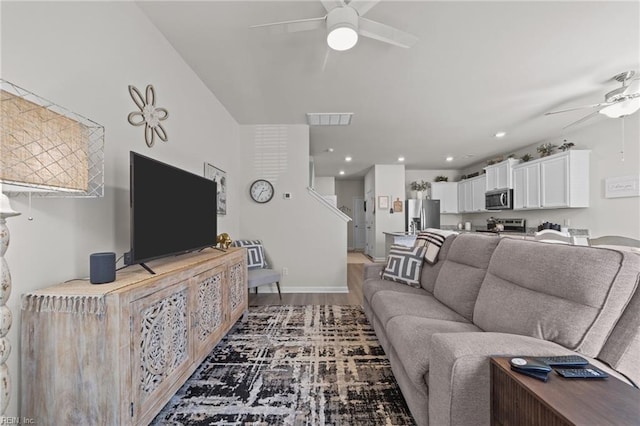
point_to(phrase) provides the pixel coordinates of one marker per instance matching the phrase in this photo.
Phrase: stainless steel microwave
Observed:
(499, 199)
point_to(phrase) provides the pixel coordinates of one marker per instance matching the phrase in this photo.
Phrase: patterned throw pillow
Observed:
(255, 253)
(432, 242)
(404, 265)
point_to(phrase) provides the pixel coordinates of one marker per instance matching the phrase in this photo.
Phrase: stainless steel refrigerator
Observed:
(421, 214)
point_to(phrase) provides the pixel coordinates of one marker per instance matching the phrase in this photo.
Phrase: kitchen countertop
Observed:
(574, 232)
(399, 234)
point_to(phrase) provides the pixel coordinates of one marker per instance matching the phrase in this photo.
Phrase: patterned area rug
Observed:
(293, 365)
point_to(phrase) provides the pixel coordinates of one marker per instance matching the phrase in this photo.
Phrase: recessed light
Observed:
(401, 159)
(348, 158)
(329, 149)
(449, 158)
(341, 172)
(500, 134)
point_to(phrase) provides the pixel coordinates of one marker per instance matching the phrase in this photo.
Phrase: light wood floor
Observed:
(354, 297)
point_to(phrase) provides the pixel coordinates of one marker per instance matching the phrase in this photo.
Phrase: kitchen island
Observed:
(401, 238)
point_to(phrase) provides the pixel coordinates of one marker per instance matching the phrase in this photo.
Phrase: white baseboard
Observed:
(289, 289)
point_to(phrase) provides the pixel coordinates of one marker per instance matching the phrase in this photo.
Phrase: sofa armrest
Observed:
(459, 372)
(373, 270)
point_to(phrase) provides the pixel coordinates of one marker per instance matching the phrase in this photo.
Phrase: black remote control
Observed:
(540, 375)
(564, 361)
(590, 372)
(530, 367)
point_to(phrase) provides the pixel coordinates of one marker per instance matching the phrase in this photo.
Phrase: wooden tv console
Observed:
(114, 354)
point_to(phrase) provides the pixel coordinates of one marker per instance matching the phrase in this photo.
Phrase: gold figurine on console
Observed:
(224, 241)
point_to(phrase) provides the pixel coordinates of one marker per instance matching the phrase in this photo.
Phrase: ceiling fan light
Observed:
(342, 28)
(621, 109)
(342, 38)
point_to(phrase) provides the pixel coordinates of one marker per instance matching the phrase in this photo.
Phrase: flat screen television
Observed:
(172, 211)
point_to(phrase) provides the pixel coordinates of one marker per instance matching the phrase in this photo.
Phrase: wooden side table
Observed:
(520, 400)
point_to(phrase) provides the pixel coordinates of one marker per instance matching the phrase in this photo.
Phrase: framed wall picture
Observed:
(397, 206)
(383, 201)
(623, 186)
(220, 177)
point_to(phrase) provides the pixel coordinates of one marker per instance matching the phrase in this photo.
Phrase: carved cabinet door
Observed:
(160, 346)
(237, 291)
(208, 314)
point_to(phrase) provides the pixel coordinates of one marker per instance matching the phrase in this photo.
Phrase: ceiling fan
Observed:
(344, 23)
(617, 103)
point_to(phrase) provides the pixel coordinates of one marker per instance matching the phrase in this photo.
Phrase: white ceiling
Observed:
(478, 67)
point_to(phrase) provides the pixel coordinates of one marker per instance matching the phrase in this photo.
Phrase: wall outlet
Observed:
(285, 271)
(287, 195)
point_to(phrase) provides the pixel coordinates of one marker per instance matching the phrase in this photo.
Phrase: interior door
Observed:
(359, 224)
(369, 224)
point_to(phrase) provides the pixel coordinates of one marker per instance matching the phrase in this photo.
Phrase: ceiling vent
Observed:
(329, 118)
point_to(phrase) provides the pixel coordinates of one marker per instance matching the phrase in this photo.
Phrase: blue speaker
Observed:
(102, 268)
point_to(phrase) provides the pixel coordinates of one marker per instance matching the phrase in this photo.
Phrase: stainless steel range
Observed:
(506, 225)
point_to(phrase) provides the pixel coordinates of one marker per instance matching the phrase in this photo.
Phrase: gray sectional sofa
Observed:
(499, 296)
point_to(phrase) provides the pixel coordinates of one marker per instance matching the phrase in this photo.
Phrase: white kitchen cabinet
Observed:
(557, 181)
(465, 198)
(471, 197)
(554, 182)
(478, 186)
(499, 176)
(447, 193)
(526, 187)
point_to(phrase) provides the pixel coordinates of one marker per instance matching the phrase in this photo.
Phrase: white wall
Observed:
(604, 216)
(83, 55)
(299, 234)
(325, 185)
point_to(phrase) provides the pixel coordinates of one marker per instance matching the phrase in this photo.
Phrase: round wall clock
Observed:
(261, 191)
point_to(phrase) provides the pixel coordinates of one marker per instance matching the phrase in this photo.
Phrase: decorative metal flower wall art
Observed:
(149, 115)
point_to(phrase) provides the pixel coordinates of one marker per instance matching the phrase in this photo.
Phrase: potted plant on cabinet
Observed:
(419, 187)
(546, 149)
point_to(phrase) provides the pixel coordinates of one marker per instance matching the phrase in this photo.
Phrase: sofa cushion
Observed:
(566, 294)
(404, 264)
(463, 271)
(430, 272)
(410, 337)
(622, 349)
(373, 285)
(389, 304)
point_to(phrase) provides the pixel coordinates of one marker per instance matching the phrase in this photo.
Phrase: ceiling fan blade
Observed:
(332, 4)
(363, 6)
(385, 33)
(604, 104)
(585, 118)
(296, 25)
(326, 58)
